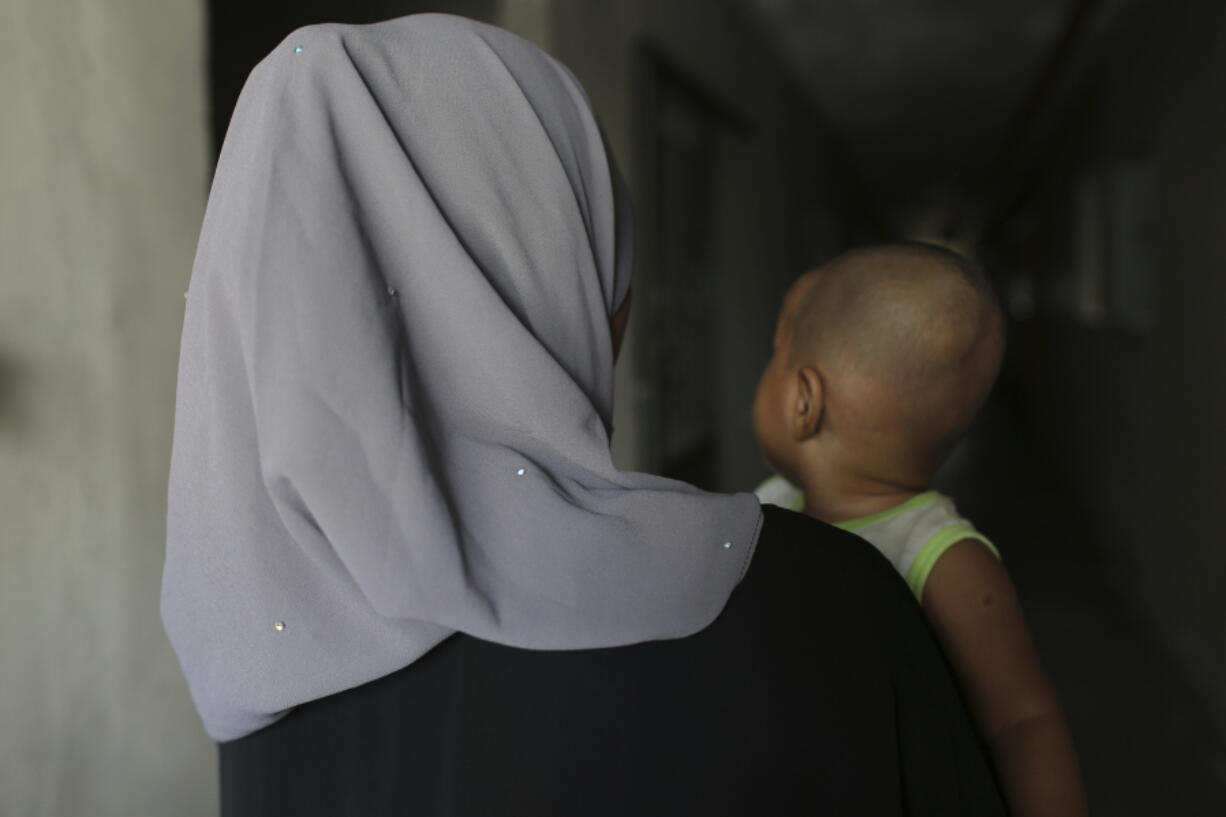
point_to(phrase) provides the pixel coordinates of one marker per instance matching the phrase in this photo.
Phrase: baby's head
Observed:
(882, 358)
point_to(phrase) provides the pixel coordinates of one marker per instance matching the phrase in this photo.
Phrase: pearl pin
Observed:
(298, 50)
(522, 471)
(278, 625)
(727, 545)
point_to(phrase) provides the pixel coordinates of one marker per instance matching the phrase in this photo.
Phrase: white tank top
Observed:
(912, 535)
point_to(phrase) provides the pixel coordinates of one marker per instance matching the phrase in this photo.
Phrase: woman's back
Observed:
(817, 690)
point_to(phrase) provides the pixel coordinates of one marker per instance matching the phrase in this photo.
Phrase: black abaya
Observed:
(818, 690)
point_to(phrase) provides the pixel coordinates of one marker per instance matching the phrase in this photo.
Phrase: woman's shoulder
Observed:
(812, 583)
(822, 563)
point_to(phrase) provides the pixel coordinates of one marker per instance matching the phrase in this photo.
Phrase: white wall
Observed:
(102, 188)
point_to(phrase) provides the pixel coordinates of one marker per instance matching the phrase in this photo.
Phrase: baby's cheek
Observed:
(765, 430)
(758, 411)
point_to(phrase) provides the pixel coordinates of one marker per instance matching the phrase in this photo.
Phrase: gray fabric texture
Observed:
(395, 381)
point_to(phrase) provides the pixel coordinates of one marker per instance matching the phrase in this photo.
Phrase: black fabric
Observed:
(818, 690)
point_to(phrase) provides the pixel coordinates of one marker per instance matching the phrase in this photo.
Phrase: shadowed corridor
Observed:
(1145, 745)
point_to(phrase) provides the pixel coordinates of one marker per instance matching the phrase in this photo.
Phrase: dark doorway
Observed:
(682, 134)
(242, 32)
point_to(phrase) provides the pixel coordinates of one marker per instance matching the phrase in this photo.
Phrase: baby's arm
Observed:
(975, 612)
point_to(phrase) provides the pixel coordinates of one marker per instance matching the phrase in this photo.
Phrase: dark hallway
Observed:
(1074, 149)
(1145, 743)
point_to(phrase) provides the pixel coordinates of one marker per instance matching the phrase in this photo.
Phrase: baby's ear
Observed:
(810, 403)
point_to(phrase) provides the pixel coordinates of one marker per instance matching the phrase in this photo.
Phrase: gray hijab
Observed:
(395, 383)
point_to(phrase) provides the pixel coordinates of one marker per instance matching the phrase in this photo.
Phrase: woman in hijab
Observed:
(398, 549)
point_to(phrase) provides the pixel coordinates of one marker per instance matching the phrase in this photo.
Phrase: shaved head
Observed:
(910, 340)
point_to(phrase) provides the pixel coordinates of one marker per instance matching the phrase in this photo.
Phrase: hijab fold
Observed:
(395, 381)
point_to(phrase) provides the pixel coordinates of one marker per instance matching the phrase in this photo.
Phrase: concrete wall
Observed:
(1132, 415)
(783, 201)
(102, 188)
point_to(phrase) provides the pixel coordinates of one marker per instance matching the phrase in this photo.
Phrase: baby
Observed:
(882, 357)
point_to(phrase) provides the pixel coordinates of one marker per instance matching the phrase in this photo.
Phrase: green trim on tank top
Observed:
(917, 501)
(935, 548)
(799, 504)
